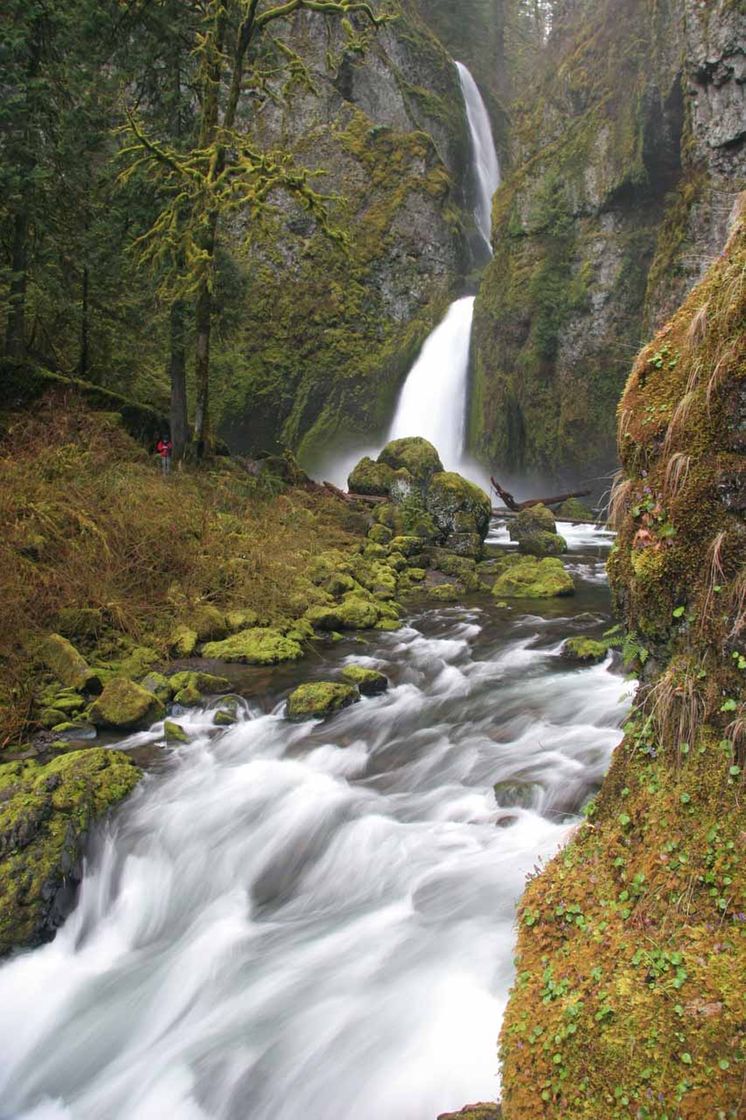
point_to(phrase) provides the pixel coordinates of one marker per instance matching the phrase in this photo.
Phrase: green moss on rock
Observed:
(369, 682)
(371, 478)
(45, 813)
(174, 732)
(415, 455)
(319, 699)
(183, 641)
(584, 651)
(460, 510)
(126, 706)
(205, 682)
(62, 658)
(534, 579)
(255, 646)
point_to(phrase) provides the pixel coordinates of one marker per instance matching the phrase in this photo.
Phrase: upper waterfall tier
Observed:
(486, 164)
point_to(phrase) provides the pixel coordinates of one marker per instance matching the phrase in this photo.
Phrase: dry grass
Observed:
(89, 522)
(619, 500)
(676, 474)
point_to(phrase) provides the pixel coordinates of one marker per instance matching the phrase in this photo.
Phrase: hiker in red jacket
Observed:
(165, 449)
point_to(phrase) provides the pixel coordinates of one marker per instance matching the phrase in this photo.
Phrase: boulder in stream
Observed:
(256, 646)
(369, 682)
(319, 699)
(126, 706)
(535, 530)
(584, 651)
(531, 578)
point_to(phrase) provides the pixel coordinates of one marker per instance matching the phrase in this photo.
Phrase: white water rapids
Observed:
(316, 920)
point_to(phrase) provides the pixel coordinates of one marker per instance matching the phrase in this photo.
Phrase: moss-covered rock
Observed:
(126, 706)
(407, 546)
(205, 682)
(45, 813)
(534, 579)
(189, 697)
(535, 519)
(371, 478)
(584, 651)
(446, 592)
(241, 619)
(159, 685)
(225, 717)
(174, 732)
(68, 666)
(183, 641)
(460, 510)
(482, 1111)
(415, 455)
(319, 699)
(380, 534)
(369, 682)
(575, 510)
(208, 623)
(542, 544)
(354, 613)
(255, 646)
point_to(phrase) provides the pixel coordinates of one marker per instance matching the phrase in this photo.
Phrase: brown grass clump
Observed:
(89, 522)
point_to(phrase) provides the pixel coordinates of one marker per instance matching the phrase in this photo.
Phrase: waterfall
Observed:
(486, 165)
(432, 402)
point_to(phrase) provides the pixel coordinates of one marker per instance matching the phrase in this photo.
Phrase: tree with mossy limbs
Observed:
(239, 61)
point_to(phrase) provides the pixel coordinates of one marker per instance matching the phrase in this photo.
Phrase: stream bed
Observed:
(317, 920)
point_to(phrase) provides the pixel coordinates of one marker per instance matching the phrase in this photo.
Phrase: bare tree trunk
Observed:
(177, 375)
(203, 324)
(15, 337)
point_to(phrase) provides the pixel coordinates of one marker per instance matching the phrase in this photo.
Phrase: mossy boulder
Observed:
(460, 511)
(407, 546)
(369, 682)
(446, 592)
(534, 579)
(45, 813)
(159, 685)
(380, 534)
(256, 646)
(205, 682)
(354, 613)
(415, 455)
(126, 706)
(174, 732)
(68, 666)
(371, 478)
(183, 641)
(543, 544)
(319, 699)
(208, 623)
(536, 519)
(584, 651)
(241, 619)
(575, 510)
(189, 697)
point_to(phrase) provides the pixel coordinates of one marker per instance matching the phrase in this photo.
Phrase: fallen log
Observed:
(347, 497)
(516, 507)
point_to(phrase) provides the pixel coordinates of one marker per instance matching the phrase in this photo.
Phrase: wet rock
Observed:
(461, 512)
(371, 478)
(159, 685)
(575, 510)
(126, 706)
(369, 682)
(446, 592)
(584, 651)
(205, 682)
(255, 647)
(45, 812)
(353, 613)
(62, 658)
(534, 579)
(535, 531)
(183, 641)
(174, 732)
(319, 699)
(415, 455)
(189, 697)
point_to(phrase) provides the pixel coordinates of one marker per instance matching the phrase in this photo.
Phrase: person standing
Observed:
(165, 449)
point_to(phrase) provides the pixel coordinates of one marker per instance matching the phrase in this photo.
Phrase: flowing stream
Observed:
(317, 919)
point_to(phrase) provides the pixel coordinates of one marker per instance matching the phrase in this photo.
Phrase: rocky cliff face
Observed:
(626, 162)
(330, 328)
